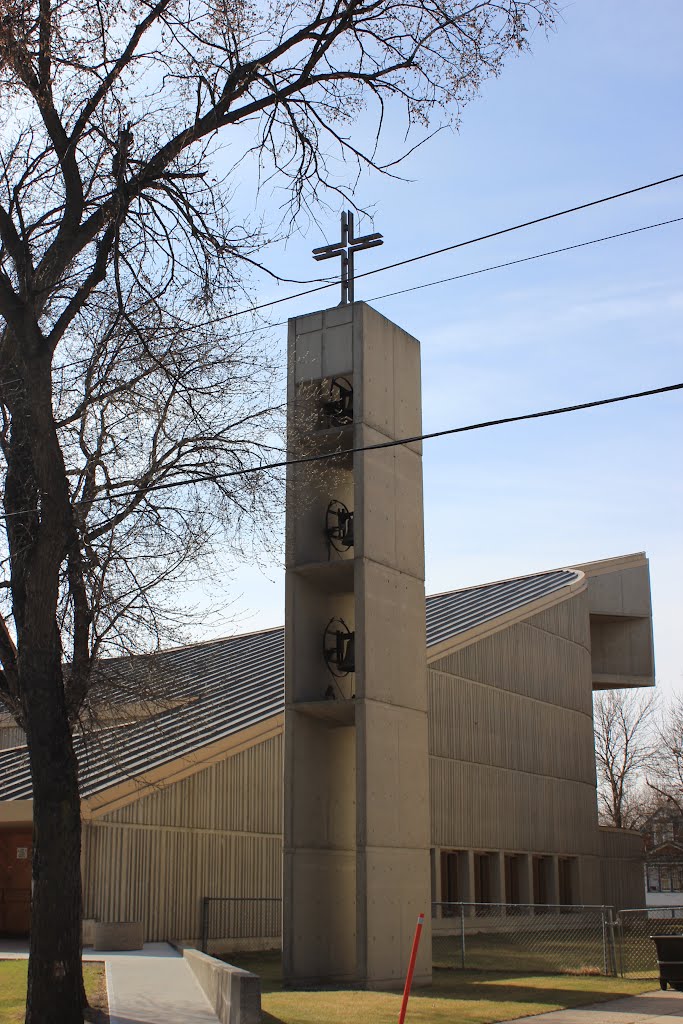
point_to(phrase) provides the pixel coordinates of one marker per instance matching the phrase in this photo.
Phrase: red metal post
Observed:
(411, 968)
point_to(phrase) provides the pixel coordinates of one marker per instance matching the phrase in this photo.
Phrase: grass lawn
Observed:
(13, 991)
(468, 997)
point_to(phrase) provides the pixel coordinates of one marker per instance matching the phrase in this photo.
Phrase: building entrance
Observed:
(15, 881)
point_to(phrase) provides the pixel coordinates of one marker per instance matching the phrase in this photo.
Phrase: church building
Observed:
(381, 752)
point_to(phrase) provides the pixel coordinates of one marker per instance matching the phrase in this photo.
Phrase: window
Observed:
(566, 867)
(450, 888)
(662, 833)
(482, 878)
(665, 878)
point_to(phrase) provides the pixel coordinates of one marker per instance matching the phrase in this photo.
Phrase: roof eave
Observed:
(507, 619)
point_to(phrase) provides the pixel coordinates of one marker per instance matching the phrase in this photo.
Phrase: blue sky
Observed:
(595, 109)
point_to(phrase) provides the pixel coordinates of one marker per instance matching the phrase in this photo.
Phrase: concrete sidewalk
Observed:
(153, 985)
(154, 989)
(649, 1008)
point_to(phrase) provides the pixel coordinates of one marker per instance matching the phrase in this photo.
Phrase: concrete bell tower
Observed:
(356, 830)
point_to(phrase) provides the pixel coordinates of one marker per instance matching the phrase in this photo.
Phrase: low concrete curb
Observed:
(234, 994)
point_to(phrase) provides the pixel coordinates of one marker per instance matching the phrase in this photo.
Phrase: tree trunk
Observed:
(55, 988)
(37, 500)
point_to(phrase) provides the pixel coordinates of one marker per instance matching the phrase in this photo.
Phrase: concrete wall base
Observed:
(234, 994)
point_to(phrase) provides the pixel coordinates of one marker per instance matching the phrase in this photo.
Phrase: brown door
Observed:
(15, 881)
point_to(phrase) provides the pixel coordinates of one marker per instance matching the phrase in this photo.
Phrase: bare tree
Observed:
(622, 722)
(665, 773)
(127, 393)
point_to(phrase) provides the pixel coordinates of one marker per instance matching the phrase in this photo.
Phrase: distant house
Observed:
(182, 792)
(664, 858)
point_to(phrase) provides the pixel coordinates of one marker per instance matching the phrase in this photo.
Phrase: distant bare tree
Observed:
(623, 722)
(665, 773)
(127, 394)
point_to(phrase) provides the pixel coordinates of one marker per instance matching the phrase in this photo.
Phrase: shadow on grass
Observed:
(511, 987)
(514, 987)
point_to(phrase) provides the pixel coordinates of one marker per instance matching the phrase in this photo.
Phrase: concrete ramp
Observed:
(154, 986)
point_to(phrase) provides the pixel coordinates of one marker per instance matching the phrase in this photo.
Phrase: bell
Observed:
(338, 408)
(345, 528)
(339, 649)
(346, 651)
(339, 526)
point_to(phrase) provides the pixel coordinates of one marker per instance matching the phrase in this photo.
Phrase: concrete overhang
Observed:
(620, 609)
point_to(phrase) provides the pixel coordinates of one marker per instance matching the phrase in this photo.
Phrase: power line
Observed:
(526, 224)
(437, 433)
(448, 248)
(326, 456)
(497, 266)
(523, 259)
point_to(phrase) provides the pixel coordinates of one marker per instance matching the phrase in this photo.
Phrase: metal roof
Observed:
(453, 613)
(215, 689)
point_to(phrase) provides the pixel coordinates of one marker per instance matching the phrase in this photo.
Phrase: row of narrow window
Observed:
(452, 888)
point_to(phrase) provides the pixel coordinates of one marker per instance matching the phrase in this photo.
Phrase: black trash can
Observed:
(669, 960)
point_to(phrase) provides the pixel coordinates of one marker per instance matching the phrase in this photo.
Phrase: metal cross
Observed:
(347, 248)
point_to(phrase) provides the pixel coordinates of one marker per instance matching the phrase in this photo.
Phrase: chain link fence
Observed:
(483, 936)
(523, 937)
(636, 952)
(230, 924)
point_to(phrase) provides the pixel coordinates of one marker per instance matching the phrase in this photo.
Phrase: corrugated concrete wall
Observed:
(511, 739)
(512, 758)
(217, 833)
(11, 736)
(511, 769)
(623, 877)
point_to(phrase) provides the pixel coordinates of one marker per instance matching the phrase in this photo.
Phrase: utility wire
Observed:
(497, 266)
(437, 433)
(325, 456)
(523, 259)
(449, 248)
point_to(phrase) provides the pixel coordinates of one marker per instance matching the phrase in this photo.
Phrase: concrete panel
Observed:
(310, 322)
(376, 502)
(320, 915)
(391, 388)
(337, 315)
(337, 351)
(308, 358)
(395, 777)
(376, 393)
(621, 592)
(408, 414)
(391, 653)
(324, 813)
(394, 901)
(389, 496)
(409, 512)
